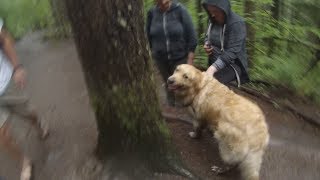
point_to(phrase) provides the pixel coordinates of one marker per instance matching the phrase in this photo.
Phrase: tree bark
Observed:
(114, 54)
(249, 13)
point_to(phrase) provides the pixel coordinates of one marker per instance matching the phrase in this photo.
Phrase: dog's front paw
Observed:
(193, 135)
(221, 170)
(217, 170)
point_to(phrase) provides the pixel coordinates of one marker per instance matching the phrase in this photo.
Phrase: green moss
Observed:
(133, 112)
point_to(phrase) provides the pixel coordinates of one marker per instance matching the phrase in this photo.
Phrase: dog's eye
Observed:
(185, 76)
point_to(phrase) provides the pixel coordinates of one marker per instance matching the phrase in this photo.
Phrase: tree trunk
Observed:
(200, 19)
(316, 40)
(315, 60)
(249, 13)
(114, 54)
(275, 11)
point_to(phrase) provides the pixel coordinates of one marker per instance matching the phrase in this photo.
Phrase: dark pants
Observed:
(227, 74)
(166, 69)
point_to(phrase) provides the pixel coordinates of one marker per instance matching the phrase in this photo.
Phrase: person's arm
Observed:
(9, 50)
(211, 70)
(236, 36)
(189, 34)
(235, 39)
(190, 58)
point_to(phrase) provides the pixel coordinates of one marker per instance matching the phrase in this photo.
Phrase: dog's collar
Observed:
(193, 109)
(189, 104)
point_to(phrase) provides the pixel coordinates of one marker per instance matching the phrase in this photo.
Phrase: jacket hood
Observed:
(174, 5)
(224, 5)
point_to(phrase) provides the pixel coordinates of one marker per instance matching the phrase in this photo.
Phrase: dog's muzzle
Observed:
(170, 80)
(172, 86)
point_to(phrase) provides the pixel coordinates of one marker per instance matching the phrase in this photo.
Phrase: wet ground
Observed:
(57, 88)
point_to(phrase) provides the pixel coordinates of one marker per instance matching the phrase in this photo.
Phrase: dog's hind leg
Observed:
(250, 166)
(228, 156)
(232, 150)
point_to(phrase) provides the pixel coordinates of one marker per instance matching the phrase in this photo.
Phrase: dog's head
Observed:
(185, 80)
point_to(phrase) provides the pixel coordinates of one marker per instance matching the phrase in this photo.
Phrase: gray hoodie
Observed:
(171, 34)
(229, 40)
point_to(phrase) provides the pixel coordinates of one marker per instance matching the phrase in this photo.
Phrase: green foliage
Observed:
(309, 85)
(22, 16)
(286, 47)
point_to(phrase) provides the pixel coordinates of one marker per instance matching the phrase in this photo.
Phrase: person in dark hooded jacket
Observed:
(172, 37)
(225, 43)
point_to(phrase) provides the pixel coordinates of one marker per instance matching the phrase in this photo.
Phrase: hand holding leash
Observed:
(211, 70)
(208, 48)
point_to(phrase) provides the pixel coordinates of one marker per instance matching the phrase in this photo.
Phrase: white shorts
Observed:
(12, 101)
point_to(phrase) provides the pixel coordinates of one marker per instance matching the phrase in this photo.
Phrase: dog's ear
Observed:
(198, 80)
(177, 68)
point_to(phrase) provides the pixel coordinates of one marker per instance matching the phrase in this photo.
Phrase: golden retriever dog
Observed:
(237, 123)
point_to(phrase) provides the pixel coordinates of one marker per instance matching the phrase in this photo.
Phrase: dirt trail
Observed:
(57, 88)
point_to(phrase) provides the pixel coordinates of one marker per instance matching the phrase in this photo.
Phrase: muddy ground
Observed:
(57, 88)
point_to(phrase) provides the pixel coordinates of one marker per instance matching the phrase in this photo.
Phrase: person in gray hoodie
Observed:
(172, 38)
(225, 43)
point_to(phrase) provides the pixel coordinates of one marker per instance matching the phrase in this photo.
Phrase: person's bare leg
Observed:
(15, 152)
(26, 170)
(35, 121)
(25, 110)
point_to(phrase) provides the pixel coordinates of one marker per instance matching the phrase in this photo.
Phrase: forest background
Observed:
(283, 37)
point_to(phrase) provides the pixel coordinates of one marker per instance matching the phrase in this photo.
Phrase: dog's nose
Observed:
(170, 80)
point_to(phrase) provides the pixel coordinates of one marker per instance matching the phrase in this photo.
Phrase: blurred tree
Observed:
(113, 50)
(200, 18)
(249, 14)
(309, 15)
(275, 11)
(61, 24)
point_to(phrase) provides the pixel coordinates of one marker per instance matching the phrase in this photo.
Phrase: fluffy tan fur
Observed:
(238, 124)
